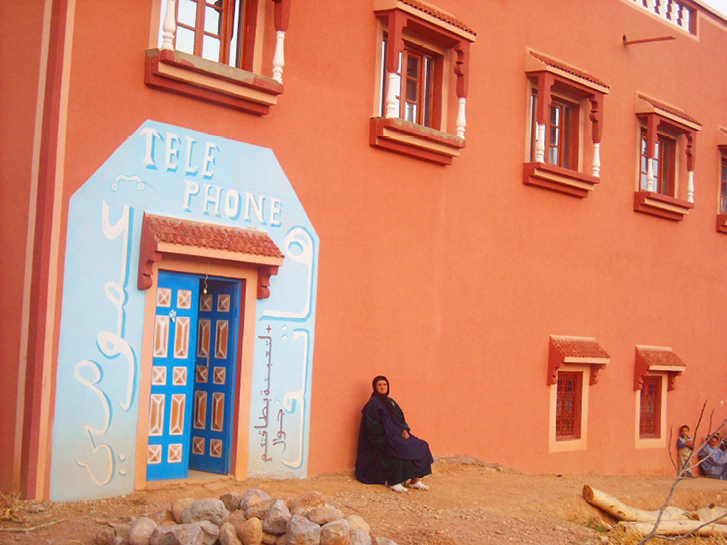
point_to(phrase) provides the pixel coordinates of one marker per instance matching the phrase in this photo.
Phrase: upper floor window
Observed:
(562, 101)
(421, 48)
(212, 50)
(561, 132)
(662, 166)
(414, 85)
(666, 183)
(217, 30)
(722, 203)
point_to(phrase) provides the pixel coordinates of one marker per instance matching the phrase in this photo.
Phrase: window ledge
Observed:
(562, 180)
(201, 78)
(661, 206)
(722, 223)
(414, 140)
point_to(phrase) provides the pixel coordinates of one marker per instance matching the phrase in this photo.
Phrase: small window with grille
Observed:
(650, 414)
(568, 406)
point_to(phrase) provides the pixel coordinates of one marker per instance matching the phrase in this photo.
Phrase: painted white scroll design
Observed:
(90, 430)
(290, 398)
(298, 246)
(111, 344)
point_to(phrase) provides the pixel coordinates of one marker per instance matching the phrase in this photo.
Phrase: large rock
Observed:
(180, 505)
(304, 503)
(140, 531)
(228, 535)
(210, 532)
(384, 541)
(231, 500)
(358, 523)
(359, 537)
(259, 508)
(104, 536)
(253, 496)
(250, 531)
(181, 534)
(336, 532)
(270, 539)
(301, 531)
(324, 514)
(209, 509)
(276, 519)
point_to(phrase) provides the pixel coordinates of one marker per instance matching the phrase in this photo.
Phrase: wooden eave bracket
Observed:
(151, 251)
(559, 179)
(407, 138)
(557, 358)
(662, 206)
(194, 76)
(642, 366)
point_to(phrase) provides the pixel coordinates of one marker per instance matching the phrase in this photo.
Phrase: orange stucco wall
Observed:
(449, 280)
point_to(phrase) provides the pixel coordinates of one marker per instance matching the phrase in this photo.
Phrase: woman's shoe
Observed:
(417, 485)
(397, 488)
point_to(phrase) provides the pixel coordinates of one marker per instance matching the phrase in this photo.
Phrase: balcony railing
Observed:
(673, 11)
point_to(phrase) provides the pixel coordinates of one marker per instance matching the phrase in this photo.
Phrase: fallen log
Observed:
(713, 513)
(676, 528)
(623, 512)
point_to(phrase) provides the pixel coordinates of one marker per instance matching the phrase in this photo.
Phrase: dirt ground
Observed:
(470, 503)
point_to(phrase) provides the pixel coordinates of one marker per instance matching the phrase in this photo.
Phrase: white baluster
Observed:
(597, 159)
(650, 175)
(690, 187)
(279, 57)
(461, 120)
(673, 11)
(169, 28)
(391, 109)
(540, 143)
(651, 5)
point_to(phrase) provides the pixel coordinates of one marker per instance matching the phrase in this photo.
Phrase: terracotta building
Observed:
(222, 219)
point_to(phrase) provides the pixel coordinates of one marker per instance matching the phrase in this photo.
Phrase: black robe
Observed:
(384, 456)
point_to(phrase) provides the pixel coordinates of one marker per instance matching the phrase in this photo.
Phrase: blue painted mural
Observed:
(172, 171)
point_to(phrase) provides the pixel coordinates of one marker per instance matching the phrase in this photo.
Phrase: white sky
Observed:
(719, 5)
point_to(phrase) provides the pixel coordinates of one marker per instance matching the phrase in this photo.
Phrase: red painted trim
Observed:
(33, 427)
(548, 176)
(655, 208)
(425, 136)
(282, 14)
(722, 223)
(154, 78)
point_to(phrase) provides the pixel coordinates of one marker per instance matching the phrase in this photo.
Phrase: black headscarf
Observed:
(388, 402)
(376, 393)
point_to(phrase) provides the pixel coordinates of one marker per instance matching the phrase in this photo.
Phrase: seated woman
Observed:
(387, 452)
(713, 460)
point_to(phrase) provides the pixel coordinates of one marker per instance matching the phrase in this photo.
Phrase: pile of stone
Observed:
(254, 518)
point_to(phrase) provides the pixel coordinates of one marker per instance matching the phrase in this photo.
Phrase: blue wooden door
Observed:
(214, 376)
(170, 408)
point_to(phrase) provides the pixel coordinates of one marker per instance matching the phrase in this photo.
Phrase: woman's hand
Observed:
(405, 434)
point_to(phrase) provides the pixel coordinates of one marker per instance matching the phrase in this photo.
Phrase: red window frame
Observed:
(650, 408)
(420, 92)
(561, 132)
(723, 186)
(568, 407)
(664, 164)
(236, 35)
